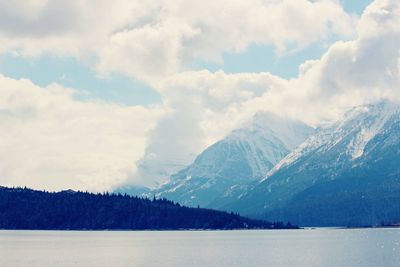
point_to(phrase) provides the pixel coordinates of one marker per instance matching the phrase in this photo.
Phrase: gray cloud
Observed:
(25, 19)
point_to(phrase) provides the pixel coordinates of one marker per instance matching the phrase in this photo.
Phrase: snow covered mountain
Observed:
(226, 168)
(347, 173)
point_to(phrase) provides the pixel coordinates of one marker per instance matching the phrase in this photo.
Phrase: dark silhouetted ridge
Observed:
(22, 208)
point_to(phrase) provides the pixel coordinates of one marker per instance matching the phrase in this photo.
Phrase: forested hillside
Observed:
(22, 208)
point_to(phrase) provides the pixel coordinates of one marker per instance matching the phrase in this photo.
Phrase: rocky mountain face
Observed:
(344, 174)
(229, 167)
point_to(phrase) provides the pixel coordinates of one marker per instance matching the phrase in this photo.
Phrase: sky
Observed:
(97, 96)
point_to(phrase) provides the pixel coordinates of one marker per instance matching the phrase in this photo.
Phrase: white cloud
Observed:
(205, 106)
(362, 70)
(180, 32)
(349, 73)
(150, 39)
(156, 41)
(49, 140)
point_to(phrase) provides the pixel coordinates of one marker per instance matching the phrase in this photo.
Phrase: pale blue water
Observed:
(317, 247)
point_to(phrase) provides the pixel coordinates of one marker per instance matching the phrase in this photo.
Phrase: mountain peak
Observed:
(242, 157)
(344, 174)
(290, 132)
(359, 125)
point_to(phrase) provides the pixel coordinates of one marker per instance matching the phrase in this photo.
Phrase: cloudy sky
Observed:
(93, 96)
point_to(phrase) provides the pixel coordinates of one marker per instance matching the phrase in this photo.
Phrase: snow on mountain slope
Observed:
(352, 134)
(347, 170)
(227, 167)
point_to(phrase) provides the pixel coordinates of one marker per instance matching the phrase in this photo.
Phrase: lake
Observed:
(307, 247)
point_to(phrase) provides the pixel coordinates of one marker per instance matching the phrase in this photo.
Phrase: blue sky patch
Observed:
(69, 72)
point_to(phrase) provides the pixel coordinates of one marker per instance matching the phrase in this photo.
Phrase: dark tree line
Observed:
(22, 208)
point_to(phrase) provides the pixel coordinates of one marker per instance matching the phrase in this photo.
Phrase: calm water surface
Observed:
(313, 247)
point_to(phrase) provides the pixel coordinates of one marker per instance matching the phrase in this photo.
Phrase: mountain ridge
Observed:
(365, 144)
(227, 167)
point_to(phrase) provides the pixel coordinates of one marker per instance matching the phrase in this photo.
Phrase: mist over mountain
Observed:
(228, 167)
(346, 173)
